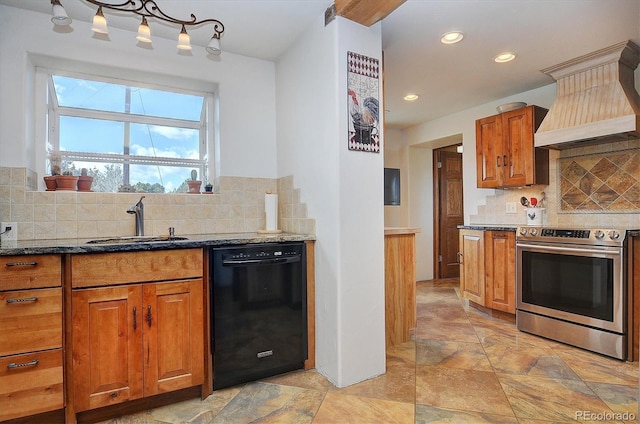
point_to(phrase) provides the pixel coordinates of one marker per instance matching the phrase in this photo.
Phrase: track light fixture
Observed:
(146, 9)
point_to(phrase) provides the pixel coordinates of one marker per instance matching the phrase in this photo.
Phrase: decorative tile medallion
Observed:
(603, 182)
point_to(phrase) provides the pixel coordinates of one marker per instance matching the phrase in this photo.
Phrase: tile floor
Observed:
(463, 367)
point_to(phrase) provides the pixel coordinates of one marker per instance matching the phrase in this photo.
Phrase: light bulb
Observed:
(144, 32)
(214, 45)
(60, 16)
(184, 42)
(99, 23)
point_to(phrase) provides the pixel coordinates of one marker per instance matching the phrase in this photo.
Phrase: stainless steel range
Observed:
(571, 287)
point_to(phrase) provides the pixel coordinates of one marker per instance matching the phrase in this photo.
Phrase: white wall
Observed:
(396, 157)
(347, 200)
(246, 87)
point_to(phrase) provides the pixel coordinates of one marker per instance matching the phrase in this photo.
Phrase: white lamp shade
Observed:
(144, 32)
(99, 23)
(214, 46)
(60, 16)
(184, 41)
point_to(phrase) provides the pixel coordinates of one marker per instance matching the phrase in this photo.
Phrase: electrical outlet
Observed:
(9, 235)
(512, 207)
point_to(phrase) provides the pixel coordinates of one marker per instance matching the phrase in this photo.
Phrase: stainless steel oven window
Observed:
(563, 281)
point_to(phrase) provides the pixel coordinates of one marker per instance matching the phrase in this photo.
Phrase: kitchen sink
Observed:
(136, 239)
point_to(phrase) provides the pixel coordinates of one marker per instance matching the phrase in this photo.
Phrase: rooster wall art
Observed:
(363, 92)
(364, 117)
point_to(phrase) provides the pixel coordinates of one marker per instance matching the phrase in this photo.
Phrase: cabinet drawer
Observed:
(30, 271)
(30, 320)
(91, 270)
(30, 384)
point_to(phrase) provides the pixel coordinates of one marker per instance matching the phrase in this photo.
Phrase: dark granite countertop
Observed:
(488, 227)
(59, 246)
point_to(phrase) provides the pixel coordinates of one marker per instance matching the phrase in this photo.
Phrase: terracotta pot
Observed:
(66, 182)
(50, 182)
(84, 183)
(194, 186)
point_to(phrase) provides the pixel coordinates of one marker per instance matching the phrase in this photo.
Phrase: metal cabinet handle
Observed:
(459, 255)
(504, 160)
(26, 299)
(21, 263)
(13, 365)
(498, 161)
(149, 315)
(135, 318)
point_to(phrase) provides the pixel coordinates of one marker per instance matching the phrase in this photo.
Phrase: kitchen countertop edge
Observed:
(488, 227)
(74, 246)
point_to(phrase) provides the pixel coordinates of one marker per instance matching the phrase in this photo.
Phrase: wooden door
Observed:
(472, 265)
(500, 268)
(450, 212)
(517, 128)
(173, 336)
(489, 155)
(107, 346)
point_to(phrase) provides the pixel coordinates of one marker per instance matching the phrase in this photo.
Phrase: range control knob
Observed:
(599, 234)
(523, 231)
(614, 235)
(534, 232)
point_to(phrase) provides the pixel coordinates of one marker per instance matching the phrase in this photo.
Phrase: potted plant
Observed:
(208, 188)
(84, 181)
(55, 162)
(194, 183)
(66, 181)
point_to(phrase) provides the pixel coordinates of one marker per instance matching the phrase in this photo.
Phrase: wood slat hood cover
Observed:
(596, 99)
(366, 12)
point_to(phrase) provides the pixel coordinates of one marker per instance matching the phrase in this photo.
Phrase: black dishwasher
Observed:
(259, 311)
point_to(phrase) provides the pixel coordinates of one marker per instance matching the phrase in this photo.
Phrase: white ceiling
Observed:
(448, 78)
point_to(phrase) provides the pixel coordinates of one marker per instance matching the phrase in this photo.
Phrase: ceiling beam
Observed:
(366, 12)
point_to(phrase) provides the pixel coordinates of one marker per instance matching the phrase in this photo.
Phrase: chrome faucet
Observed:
(138, 210)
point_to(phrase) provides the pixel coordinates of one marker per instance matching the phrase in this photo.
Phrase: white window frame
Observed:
(52, 113)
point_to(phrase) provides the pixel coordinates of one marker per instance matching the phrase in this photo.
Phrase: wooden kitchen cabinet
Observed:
(31, 356)
(471, 260)
(487, 268)
(132, 338)
(505, 154)
(400, 284)
(500, 271)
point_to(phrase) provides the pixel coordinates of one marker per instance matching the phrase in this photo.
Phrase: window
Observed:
(129, 136)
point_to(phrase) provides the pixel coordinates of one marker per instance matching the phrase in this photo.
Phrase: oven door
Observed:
(574, 283)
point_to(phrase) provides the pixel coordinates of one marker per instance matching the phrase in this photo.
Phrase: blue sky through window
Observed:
(173, 130)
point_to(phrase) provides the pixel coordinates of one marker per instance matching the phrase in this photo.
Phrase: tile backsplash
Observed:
(237, 207)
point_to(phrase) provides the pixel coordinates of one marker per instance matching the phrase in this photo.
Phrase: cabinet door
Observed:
(518, 158)
(472, 265)
(500, 270)
(489, 156)
(107, 346)
(173, 336)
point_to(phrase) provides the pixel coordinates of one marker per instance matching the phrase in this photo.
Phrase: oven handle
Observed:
(570, 249)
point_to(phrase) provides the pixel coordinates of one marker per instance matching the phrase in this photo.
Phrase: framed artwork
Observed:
(363, 94)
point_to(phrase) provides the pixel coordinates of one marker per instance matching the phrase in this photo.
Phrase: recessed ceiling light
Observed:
(504, 57)
(451, 37)
(411, 97)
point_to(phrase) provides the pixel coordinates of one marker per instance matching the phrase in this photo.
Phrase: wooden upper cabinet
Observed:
(505, 154)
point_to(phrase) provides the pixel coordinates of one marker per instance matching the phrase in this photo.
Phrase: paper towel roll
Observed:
(271, 211)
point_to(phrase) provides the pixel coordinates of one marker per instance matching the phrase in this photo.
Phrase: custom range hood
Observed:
(596, 99)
